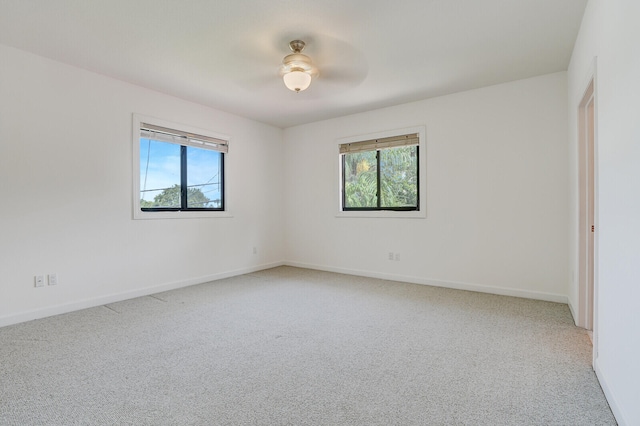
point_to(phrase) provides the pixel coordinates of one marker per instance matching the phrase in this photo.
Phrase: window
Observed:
(381, 174)
(178, 171)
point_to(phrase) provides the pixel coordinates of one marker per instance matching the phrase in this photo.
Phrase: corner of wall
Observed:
(611, 399)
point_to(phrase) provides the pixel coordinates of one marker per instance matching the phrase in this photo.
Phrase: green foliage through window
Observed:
(383, 179)
(170, 197)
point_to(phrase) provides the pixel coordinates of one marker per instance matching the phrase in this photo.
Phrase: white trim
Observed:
(608, 394)
(384, 214)
(596, 214)
(573, 313)
(135, 147)
(480, 288)
(590, 83)
(118, 297)
(422, 174)
(139, 214)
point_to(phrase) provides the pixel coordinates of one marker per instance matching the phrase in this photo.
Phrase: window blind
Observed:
(375, 144)
(163, 134)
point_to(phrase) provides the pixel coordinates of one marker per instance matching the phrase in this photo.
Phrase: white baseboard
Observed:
(615, 408)
(527, 294)
(117, 297)
(573, 312)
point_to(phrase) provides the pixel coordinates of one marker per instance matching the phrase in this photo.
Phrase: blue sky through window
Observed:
(160, 169)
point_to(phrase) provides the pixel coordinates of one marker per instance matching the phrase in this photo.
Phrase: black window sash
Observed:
(379, 201)
(184, 188)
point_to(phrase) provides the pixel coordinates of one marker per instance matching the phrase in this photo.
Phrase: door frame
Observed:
(588, 210)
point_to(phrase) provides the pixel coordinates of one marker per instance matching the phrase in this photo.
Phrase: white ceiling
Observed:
(371, 53)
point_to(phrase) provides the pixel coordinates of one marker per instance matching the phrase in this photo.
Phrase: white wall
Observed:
(66, 193)
(497, 197)
(496, 190)
(610, 32)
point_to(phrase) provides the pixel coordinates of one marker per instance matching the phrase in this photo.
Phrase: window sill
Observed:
(383, 214)
(139, 214)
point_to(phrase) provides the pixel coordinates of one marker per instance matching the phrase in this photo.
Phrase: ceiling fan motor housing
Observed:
(297, 68)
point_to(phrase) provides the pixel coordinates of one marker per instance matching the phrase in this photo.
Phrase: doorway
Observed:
(587, 211)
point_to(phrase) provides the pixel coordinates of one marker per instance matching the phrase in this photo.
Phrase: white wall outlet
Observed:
(53, 279)
(390, 255)
(39, 280)
(397, 257)
(255, 250)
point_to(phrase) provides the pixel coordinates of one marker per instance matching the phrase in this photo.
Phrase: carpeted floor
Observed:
(290, 346)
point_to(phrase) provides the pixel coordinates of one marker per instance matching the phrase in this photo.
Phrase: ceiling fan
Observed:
(297, 70)
(336, 65)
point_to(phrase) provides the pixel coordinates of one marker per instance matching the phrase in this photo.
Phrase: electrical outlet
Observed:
(390, 255)
(39, 280)
(53, 279)
(255, 250)
(397, 257)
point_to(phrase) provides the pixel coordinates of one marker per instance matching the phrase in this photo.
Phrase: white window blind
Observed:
(163, 134)
(375, 144)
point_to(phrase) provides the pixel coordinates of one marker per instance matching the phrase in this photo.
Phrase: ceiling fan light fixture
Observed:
(297, 69)
(297, 80)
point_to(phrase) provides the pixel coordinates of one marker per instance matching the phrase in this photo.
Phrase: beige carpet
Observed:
(290, 346)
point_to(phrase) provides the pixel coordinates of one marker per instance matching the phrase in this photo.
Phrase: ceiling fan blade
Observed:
(257, 81)
(256, 64)
(341, 75)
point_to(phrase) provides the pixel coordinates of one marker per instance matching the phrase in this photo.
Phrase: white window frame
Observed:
(135, 137)
(422, 175)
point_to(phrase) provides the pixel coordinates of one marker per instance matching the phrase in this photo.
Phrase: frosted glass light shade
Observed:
(297, 80)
